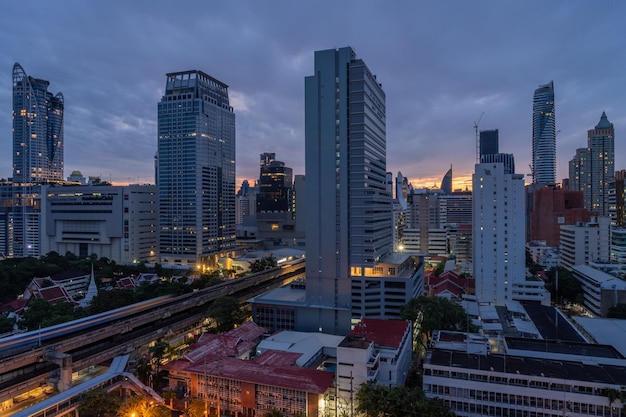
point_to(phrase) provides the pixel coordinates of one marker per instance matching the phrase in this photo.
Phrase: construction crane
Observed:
(477, 137)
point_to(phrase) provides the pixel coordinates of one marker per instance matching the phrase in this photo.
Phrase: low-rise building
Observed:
(116, 222)
(601, 290)
(532, 378)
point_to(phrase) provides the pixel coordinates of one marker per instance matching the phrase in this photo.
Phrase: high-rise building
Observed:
(37, 159)
(351, 269)
(499, 237)
(544, 136)
(620, 199)
(349, 208)
(37, 130)
(488, 142)
(275, 186)
(195, 170)
(592, 170)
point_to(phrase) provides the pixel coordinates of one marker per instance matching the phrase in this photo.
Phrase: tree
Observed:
(398, 401)
(134, 406)
(196, 408)
(98, 403)
(568, 286)
(262, 264)
(6, 324)
(226, 312)
(435, 313)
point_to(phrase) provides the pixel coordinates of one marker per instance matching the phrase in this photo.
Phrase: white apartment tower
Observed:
(499, 230)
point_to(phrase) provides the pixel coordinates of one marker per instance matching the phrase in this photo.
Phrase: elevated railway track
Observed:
(29, 358)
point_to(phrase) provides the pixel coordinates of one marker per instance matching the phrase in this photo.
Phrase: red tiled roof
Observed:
(292, 377)
(234, 343)
(13, 305)
(388, 333)
(54, 294)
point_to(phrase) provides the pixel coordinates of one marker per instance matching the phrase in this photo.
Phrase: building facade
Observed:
(544, 136)
(583, 243)
(534, 379)
(499, 237)
(195, 170)
(37, 159)
(592, 170)
(116, 222)
(349, 208)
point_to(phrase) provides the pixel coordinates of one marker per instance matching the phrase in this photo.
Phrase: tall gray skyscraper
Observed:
(195, 170)
(592, 170)
(349, 219)
(544, 135)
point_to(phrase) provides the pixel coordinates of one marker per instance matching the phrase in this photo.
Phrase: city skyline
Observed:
(439, 80)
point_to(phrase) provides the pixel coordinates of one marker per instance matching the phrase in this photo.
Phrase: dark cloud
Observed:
(442, 65)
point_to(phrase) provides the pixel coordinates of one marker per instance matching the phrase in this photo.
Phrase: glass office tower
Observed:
(544, 135)
(195, 169)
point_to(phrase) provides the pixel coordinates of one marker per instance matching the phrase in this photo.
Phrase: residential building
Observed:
(116, 222)
(37, 159)
(592, 170)
(620, 198)
(245, 201)
(195, 170)
(583, 243)
(544, 135)
(498, 237)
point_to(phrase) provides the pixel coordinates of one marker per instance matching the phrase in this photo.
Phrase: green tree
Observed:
(41, 313)
(97, 403)
(568, 286)
(262, 264)
(435, 313)
(134, 406)
(398, 401)
(226, 312)
(6, 323)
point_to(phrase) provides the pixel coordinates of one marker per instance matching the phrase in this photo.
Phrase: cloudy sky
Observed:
(443, 65)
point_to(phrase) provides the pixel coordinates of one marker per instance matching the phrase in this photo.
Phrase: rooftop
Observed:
(570, 370)
(387, 333)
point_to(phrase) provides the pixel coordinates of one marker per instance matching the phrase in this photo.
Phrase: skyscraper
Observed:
(195, 169)
(489, 142)
(592, 170)
(37, 130)
(544, 135)
(37, 159)
(351, 269)
(349, 208)
(498, 207)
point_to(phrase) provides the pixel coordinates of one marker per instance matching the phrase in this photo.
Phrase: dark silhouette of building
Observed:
(489, 142)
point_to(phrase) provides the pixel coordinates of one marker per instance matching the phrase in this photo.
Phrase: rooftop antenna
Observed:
(476, 122)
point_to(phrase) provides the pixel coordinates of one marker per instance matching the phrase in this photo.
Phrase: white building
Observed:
(375, 351)
(499, 236)
(601, 290)
(534, 378)
(583, 243)
(116, 222)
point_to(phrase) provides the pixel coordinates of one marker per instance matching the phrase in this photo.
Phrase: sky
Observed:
(445, 66)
